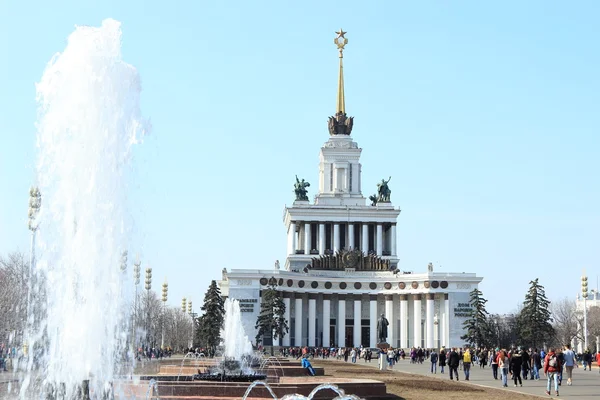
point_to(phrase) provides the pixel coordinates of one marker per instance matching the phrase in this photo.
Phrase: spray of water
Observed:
(89, 119)
(235, 340)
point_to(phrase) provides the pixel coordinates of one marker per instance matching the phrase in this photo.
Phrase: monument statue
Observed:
(430, 267)
(340, 124)
(383, 191)
(382, 330)
(300, 189)
(373, 199)
(277, 264)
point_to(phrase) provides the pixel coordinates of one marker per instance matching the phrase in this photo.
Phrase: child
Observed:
(306, 364)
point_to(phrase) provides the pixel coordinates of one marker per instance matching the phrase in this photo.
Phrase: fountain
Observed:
(77, 326)
(89, 119)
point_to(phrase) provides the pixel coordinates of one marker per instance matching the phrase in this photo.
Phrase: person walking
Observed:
(494, 362)
(536, 364)
(467, 363)
(433, 357)
(516, 362)
(569, 363)
(587, 360)
(442, 360)
(551, 369)
(453, 361)
(503, 365)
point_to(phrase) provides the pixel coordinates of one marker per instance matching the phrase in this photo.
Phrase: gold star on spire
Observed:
(341, 41)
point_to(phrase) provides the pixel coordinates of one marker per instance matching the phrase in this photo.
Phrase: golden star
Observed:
(341, 34)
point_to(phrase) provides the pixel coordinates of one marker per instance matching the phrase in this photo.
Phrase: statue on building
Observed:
(276, 264)
(373, 199)
(430, 267)
(224, 274)
(383, 191)
(340, 124)
(382, 330)
(300, 189)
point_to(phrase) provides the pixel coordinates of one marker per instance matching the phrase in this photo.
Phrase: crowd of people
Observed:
(516, 364)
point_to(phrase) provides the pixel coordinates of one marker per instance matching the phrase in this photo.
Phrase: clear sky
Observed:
(486, 115)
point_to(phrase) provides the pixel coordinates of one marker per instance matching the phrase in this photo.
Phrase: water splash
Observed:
(152, 392)
(89, 119)
(259, 383)
(235, 340)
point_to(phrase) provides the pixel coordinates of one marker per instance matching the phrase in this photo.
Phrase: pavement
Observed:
(586, 384)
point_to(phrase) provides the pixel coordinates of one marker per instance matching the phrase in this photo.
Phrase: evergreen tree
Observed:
(477, 325)
(534, 320)
(211, 322)
(271, 319)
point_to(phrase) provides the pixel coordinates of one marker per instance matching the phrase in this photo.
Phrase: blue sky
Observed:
(484, 114)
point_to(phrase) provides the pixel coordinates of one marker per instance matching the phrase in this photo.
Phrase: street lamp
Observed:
(123, 265)
(165, 295)
(192, 316)
(35, 203)
(136, 281)
(148, 286)
(584, 294)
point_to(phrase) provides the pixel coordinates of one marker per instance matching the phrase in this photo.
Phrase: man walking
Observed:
(453, 360)
(551, 369)
(467, 363)
(433, 357)
(570, 362)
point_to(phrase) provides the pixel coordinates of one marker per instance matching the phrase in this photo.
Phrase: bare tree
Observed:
(14, 275)
(564, 314)
(593, 321)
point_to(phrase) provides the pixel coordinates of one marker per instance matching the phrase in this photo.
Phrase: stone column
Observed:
(365, 238)
(389, 314)
(447, 321)
(394, 249)
(341, 320)
(417, 320)
(373, 320)
(357, 321)
(321, 239)
(350, 244)
(326, 324)
(286, 315)
(299, 316)
(379, 239)
(336, 237)
(307, 237)
(294, 238)
(404, 321)
(429, 320)
(312, 319)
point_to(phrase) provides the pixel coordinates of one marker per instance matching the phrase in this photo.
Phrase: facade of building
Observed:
(341, 271)
(593, 341)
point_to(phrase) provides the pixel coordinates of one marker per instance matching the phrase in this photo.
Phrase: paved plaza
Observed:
(586, 384)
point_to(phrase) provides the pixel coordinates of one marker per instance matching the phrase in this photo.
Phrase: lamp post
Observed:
(148, 286)
(192, 316)
(584, 294)
(165, 295)
(35, 203)
(136, 281)
(184, 307)
(436, 322)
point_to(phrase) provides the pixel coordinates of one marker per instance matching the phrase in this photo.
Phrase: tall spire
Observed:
(340, 124)
(340, 41)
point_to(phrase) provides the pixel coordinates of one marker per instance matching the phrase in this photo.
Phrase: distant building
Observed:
(341, 271)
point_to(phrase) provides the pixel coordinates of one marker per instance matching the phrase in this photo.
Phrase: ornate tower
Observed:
(340, 220)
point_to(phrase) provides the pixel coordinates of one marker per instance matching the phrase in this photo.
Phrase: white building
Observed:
(341, 270)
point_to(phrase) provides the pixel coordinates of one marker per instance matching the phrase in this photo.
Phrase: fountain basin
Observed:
(195, 390)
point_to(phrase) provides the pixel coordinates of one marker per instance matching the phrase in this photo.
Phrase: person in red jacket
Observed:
(551, 368)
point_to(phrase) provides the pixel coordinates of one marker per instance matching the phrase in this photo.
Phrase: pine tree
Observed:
(477, 325)
(211, 322)
(271, 319)
(534, 320)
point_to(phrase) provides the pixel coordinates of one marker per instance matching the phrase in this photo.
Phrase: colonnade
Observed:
(435, 325)
(296, 229)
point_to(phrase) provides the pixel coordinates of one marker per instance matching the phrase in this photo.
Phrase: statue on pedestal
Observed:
(382, 330)
(384, 191)
(300, 189)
